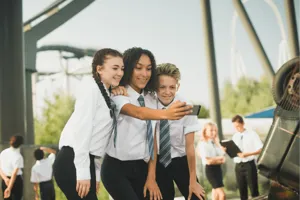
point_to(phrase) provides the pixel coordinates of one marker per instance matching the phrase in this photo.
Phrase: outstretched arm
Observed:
(176, 111)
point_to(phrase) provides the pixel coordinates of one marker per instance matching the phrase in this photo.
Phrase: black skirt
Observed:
(214, 175)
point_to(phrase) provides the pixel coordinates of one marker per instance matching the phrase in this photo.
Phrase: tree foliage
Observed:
(204, 112)
(248, 96)
(55, 115)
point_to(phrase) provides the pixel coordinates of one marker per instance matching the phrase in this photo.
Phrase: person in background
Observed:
(245, 169)
(212, 156)
(41, 174)
(11, 164)
(176, 152)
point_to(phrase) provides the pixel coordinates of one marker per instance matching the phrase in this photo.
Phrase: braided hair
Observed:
(99, 59)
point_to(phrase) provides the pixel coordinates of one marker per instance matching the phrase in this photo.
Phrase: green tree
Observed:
(54, 117)
(204, 112)
(247, 96)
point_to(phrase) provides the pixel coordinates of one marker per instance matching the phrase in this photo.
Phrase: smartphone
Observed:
(196, 110)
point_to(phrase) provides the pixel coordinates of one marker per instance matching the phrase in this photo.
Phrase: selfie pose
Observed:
(176, 153)
(128, 169)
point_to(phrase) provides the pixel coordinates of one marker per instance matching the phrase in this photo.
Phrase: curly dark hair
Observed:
(99, 59)
(130, 58)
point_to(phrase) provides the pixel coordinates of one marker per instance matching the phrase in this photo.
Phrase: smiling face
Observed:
(167, 88)
(111, 71)
(141, 74)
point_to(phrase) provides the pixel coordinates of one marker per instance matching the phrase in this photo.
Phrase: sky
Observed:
(171, 29)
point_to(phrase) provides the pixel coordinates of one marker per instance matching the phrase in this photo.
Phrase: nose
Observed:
(145, 72)
(120, 72)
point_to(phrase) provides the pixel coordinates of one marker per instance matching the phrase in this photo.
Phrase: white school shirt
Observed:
(41, 171)
(131, 143)
(10, 159)
(247, 141)
(208, 150)
(178, 130)
(88, 129)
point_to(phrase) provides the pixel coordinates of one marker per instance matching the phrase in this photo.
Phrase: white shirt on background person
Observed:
(10, 159)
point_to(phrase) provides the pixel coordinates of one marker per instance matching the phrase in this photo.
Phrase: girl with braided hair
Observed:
(85, 135)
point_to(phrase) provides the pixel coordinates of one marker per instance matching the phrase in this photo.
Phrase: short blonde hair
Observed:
(203, 132)
(168, 69)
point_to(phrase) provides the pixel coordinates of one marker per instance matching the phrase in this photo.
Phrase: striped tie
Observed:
(149, 130)
(164, 143)
(115, 123)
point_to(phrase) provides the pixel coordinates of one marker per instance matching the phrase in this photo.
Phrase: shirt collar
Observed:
(132, 93)
(40, 161)
(15, 149)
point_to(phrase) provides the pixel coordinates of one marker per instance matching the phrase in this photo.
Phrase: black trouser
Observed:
(47, 190)
(65, 174)
(177, 171)
(17, 189)
(246, 173)
(124, 180)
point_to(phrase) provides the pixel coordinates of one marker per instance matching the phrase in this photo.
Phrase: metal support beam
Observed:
(215, 111)
(12, 85)
(292, 28)
(56, 16)
(254, 38)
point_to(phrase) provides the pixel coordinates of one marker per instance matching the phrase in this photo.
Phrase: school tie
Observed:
(149, 129)
(115, 123)
(241, 144)
(164, 143)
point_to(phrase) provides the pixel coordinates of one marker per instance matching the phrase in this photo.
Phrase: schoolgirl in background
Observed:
(212, 155)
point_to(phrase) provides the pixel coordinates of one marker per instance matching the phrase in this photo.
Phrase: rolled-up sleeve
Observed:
(84, 112)
(191, 124)
(120, 101)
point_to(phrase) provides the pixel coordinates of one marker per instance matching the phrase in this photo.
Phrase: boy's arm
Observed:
(194, 187)
(48, 150)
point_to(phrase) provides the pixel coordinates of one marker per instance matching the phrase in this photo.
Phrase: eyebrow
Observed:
(150, 65)
(118, 66)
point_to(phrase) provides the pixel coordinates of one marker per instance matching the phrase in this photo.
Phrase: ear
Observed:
(178, 85)
(99, 69)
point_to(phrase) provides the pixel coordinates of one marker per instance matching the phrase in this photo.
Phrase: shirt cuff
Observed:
(192, 128)
(98, 175)
(83, 174)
